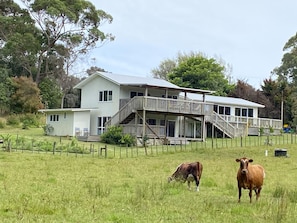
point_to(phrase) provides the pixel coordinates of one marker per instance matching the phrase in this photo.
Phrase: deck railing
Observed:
(254, 122)
(176, 106)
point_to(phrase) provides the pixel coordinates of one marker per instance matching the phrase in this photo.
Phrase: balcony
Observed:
(161, 105)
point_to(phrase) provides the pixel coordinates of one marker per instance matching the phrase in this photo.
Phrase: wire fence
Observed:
(99, 150)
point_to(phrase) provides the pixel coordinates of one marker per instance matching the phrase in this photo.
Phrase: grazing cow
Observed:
(188, 172)
(249, 177)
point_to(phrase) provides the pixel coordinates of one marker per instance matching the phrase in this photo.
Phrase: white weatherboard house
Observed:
(154, 108)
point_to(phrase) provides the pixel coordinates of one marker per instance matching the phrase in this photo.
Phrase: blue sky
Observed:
(248, 35)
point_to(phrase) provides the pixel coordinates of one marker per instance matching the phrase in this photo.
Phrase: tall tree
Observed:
(26, 96)
(70, 28)
(196, 70)
(287, 78)
(201, 73)
(5, 90)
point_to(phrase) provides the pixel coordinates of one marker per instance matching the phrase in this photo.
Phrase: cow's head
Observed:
(244, 163)
(170, 179)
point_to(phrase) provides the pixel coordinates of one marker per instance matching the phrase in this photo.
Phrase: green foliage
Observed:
(26, 96)
(195, 70)
(5, 90)
(2, 124)
(261, 131)
(128, 139)
(48, 129)
(200, 73)
(113, 135)
(13, 120)
(30, 120)
(51, 93)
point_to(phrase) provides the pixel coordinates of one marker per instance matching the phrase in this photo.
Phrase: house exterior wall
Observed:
(90, 96)
(81, 123)
(62, 126)
(68, 123)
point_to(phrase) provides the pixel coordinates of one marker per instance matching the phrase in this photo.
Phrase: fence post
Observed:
(240, 141)
(54, 148)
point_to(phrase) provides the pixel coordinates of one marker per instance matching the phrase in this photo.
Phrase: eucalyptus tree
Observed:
(69, 28)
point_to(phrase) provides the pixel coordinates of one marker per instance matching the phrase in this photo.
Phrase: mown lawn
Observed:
(42, 187)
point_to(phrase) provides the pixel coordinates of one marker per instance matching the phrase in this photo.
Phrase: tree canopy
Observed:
(194, 70)
(43, 39)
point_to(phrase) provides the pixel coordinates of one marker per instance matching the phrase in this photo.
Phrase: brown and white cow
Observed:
(250, 177)
(188, 172)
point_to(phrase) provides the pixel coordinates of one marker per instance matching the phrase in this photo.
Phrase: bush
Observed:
(128, 139)
(30, 120)
(48, 129)
(114, 135)
(2, 124)
(13, 120)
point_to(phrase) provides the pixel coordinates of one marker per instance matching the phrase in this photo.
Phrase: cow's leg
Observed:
(189, 184)
(197, 182)
(258, 192)
(251, 194)
(239, 194)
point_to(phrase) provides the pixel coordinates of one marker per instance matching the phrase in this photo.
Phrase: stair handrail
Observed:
(226, 127)
(125, 111)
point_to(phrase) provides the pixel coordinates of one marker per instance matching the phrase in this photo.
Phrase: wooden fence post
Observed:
(54, 148)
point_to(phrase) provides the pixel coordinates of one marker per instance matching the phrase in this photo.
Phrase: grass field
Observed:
(42, 187)
(125, 187)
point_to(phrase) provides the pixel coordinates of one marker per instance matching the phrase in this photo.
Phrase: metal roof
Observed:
(137, 81)
(224, 100)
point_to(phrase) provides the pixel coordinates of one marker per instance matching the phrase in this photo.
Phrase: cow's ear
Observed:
(251, 160)
(237, 160)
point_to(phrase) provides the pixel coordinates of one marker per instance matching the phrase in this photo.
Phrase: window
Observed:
(244, 112)
(227, 110)
(101, 124)
(251, 112)
(215, 108)
(151, 121)
(134, 93)
(105, 95)
(237, 111)
(221, 110)
(54, 118)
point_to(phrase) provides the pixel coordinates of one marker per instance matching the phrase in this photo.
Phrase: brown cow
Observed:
(249, 177)
(188, 172)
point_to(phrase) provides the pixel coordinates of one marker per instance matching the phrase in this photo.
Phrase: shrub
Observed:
(13, 120)
(128, 139)
(113, 135)
(2, 124)
(48, 129)
(30, 120)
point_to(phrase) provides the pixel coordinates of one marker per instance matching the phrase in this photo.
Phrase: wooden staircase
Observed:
(223, 125)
